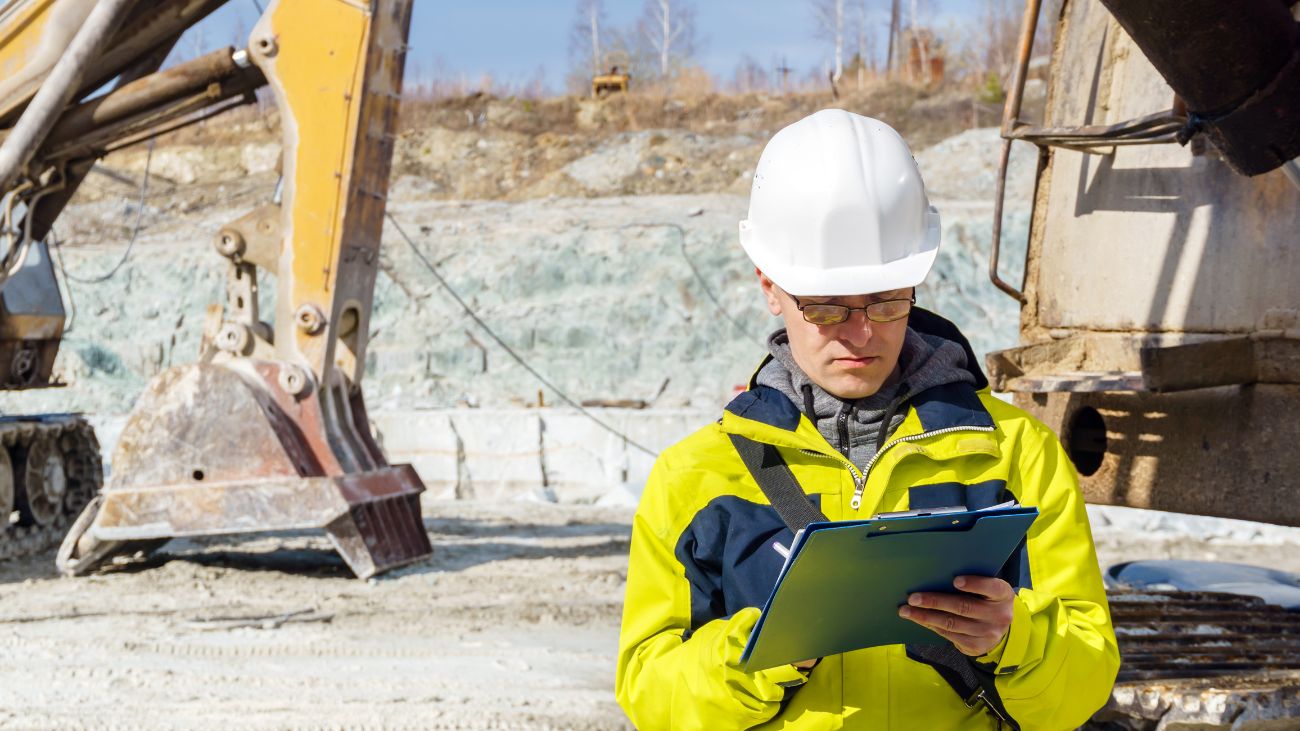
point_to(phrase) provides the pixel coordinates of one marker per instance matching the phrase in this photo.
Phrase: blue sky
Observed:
(512, 39)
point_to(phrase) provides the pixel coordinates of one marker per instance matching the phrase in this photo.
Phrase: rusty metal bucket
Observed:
(215, 449)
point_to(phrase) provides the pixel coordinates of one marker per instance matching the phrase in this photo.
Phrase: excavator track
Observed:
(49, 470)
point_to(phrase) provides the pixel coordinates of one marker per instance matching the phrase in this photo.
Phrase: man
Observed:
(875, 406)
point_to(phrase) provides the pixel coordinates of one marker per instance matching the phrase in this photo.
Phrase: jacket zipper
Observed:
(859, 478)
(842, 422)
(856, 502)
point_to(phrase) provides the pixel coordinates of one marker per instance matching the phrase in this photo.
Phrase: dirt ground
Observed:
(512, 624)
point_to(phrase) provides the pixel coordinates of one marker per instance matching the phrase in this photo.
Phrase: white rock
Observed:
(257, 159)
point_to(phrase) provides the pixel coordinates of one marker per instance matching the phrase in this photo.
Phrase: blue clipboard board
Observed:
(843, 583)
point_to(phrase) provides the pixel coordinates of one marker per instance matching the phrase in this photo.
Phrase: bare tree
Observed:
(535, 88)
(863, 51)
(996, 44)
(890, 55)
(750, 75)
(829, 17)
(918, 42)
(668, 26)
(587, 36)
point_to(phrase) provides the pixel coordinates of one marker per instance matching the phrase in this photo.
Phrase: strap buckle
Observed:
(978, 697)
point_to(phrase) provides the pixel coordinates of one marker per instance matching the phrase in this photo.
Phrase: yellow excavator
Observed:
(267, 431)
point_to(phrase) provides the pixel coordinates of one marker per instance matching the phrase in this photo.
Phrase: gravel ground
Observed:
(512, 623)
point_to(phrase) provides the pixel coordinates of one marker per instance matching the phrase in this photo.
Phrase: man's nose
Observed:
(857, 329)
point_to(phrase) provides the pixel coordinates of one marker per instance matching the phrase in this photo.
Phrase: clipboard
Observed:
(843, 582)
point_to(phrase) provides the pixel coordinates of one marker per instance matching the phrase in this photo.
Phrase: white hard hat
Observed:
(838, 208)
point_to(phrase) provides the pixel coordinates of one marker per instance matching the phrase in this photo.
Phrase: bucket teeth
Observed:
(380, 535)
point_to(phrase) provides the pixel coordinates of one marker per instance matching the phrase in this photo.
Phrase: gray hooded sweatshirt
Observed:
(858, 427)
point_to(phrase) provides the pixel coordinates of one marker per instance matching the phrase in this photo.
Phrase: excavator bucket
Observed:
(221, 449)
(268, 432)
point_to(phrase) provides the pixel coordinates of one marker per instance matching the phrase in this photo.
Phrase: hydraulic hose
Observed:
(59, 87)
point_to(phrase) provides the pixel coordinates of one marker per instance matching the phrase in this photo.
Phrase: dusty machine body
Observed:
(610, 83)
(1160, 320)
(268, 429)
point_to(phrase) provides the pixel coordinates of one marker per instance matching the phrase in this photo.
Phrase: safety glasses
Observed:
(829, 314)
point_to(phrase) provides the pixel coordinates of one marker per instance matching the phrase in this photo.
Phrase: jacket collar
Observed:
(951, 406)
(942, 407)
(955, 405)
(765, 414)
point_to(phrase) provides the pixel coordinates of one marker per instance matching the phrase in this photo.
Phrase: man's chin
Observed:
(849, 388)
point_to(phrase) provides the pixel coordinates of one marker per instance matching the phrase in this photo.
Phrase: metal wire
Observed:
(506, 347)
(15, 242)
(704, 283)
(135, 231)
(15, 256)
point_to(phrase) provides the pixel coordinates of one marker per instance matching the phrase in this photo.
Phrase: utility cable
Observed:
(708, 290)
(135, 231)
(518, 359)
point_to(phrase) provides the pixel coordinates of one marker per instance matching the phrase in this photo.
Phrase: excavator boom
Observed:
(267, 430)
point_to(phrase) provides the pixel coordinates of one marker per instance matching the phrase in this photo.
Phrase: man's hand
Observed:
(975, 621)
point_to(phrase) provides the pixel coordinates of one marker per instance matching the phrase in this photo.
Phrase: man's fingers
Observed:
(968, 636)
(965, 605)
(974, 620)
(986, 586)
(946, 621)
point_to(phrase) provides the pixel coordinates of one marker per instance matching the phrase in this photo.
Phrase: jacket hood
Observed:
(935, 331)
(937, 377)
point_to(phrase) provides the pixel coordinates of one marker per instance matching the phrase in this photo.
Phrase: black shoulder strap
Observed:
(971, 682)
(777, 482)
(789, 500)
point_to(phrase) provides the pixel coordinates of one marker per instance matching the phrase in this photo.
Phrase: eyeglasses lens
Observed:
(825, 314)
(887, 311)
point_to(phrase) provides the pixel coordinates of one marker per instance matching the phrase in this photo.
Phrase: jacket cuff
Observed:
(1010, 652)
(786, 676)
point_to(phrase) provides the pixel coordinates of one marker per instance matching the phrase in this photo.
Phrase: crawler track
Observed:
(49, 471)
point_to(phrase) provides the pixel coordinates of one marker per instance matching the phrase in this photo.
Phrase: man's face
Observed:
(851, 359)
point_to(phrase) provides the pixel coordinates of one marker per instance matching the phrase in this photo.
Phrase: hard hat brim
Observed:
(806, 281)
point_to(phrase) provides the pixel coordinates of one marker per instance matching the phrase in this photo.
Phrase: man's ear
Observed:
(769, 292)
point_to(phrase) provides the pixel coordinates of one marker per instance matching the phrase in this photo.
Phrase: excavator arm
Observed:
(267, 430)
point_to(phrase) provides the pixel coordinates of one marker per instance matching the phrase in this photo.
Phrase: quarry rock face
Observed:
(615, 299)
(619, 298)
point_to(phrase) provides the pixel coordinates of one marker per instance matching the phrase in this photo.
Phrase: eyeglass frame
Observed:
(850, 310)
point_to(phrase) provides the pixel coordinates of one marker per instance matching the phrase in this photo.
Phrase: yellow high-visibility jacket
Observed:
(701, 562)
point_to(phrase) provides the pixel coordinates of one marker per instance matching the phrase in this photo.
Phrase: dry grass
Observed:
(923, 116)
(480, 146)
